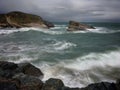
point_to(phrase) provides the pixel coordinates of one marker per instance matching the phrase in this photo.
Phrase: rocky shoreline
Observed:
(25, 76)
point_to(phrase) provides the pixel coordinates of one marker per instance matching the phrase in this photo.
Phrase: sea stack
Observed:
(19, 20)
(76, 26)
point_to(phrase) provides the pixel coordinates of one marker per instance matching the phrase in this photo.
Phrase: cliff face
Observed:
(20, 19)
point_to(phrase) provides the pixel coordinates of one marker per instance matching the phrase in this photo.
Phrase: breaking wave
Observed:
(58, 30)
(81, 71)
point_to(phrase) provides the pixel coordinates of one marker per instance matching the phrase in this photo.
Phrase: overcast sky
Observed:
(65, 10)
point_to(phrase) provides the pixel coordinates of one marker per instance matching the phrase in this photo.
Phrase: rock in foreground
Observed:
(25, 76)
(76, 26)
(19, 19)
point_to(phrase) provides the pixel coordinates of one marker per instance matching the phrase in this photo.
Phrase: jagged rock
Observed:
(53, 84)
(75, 26)
(29, 69)
(28, 82)
(20, 19)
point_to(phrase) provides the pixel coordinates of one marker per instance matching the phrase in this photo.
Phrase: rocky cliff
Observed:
(20, 19)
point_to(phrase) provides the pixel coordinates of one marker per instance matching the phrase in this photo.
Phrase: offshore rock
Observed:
(19, 19)
(76, 26)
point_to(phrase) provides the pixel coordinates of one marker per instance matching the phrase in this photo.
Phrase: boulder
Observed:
(29, 69)
(7, 69)
(53, 84)
(8, 65)
(100, 86)
(75, 26)
(19, 19)
(6, 84)
(28, 82)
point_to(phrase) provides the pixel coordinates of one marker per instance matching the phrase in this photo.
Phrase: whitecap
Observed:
(81, 71)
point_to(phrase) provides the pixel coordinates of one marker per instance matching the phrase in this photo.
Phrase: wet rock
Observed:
(100, 86)
(7, 69)
(53, 84)
(28, 82)
(6, 84)
(67, 88)
(118, 84)
(8, 65)
(76, 26)
(29, 69)
(49, 24)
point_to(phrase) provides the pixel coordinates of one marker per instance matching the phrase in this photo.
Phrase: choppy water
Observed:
(78, 58)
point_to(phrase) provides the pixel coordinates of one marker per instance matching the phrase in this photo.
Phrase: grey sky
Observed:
(65, 10)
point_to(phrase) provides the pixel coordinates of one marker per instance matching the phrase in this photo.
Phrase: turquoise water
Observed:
(78, 58)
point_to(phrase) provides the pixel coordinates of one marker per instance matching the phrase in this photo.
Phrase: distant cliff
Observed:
(20, 19)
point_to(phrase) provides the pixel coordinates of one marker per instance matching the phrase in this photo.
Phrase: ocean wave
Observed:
(58, 30)
(81, 71)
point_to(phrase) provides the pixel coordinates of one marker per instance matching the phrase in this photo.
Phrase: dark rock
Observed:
(67, 88)
(19, 19)
(29, 69)
(28, 82)
(7, 69)
(53, 84)
(6, 84)
(49, 24)
(75, 26)
(100, 86)
(8, 65)
(118, 84)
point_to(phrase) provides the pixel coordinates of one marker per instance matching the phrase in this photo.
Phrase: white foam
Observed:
(81, 71)
(58, 30)
(103, 30)
(63, 45)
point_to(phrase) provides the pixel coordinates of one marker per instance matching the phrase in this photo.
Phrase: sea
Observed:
(78, 58)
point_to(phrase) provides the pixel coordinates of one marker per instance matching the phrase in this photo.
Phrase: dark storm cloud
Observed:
(65, 10)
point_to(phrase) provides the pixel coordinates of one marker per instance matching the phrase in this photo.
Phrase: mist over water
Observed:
(78, 58)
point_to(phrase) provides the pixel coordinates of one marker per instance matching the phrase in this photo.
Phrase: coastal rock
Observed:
(28, 82)
(19, 19)
(101, 86)
(7, 69)
(29, 69)
(25, 76)
(53, 84)
(8, 65)
(6, 84)
(75, 26)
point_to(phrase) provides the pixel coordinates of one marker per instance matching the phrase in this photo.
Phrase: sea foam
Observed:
(81, 71)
